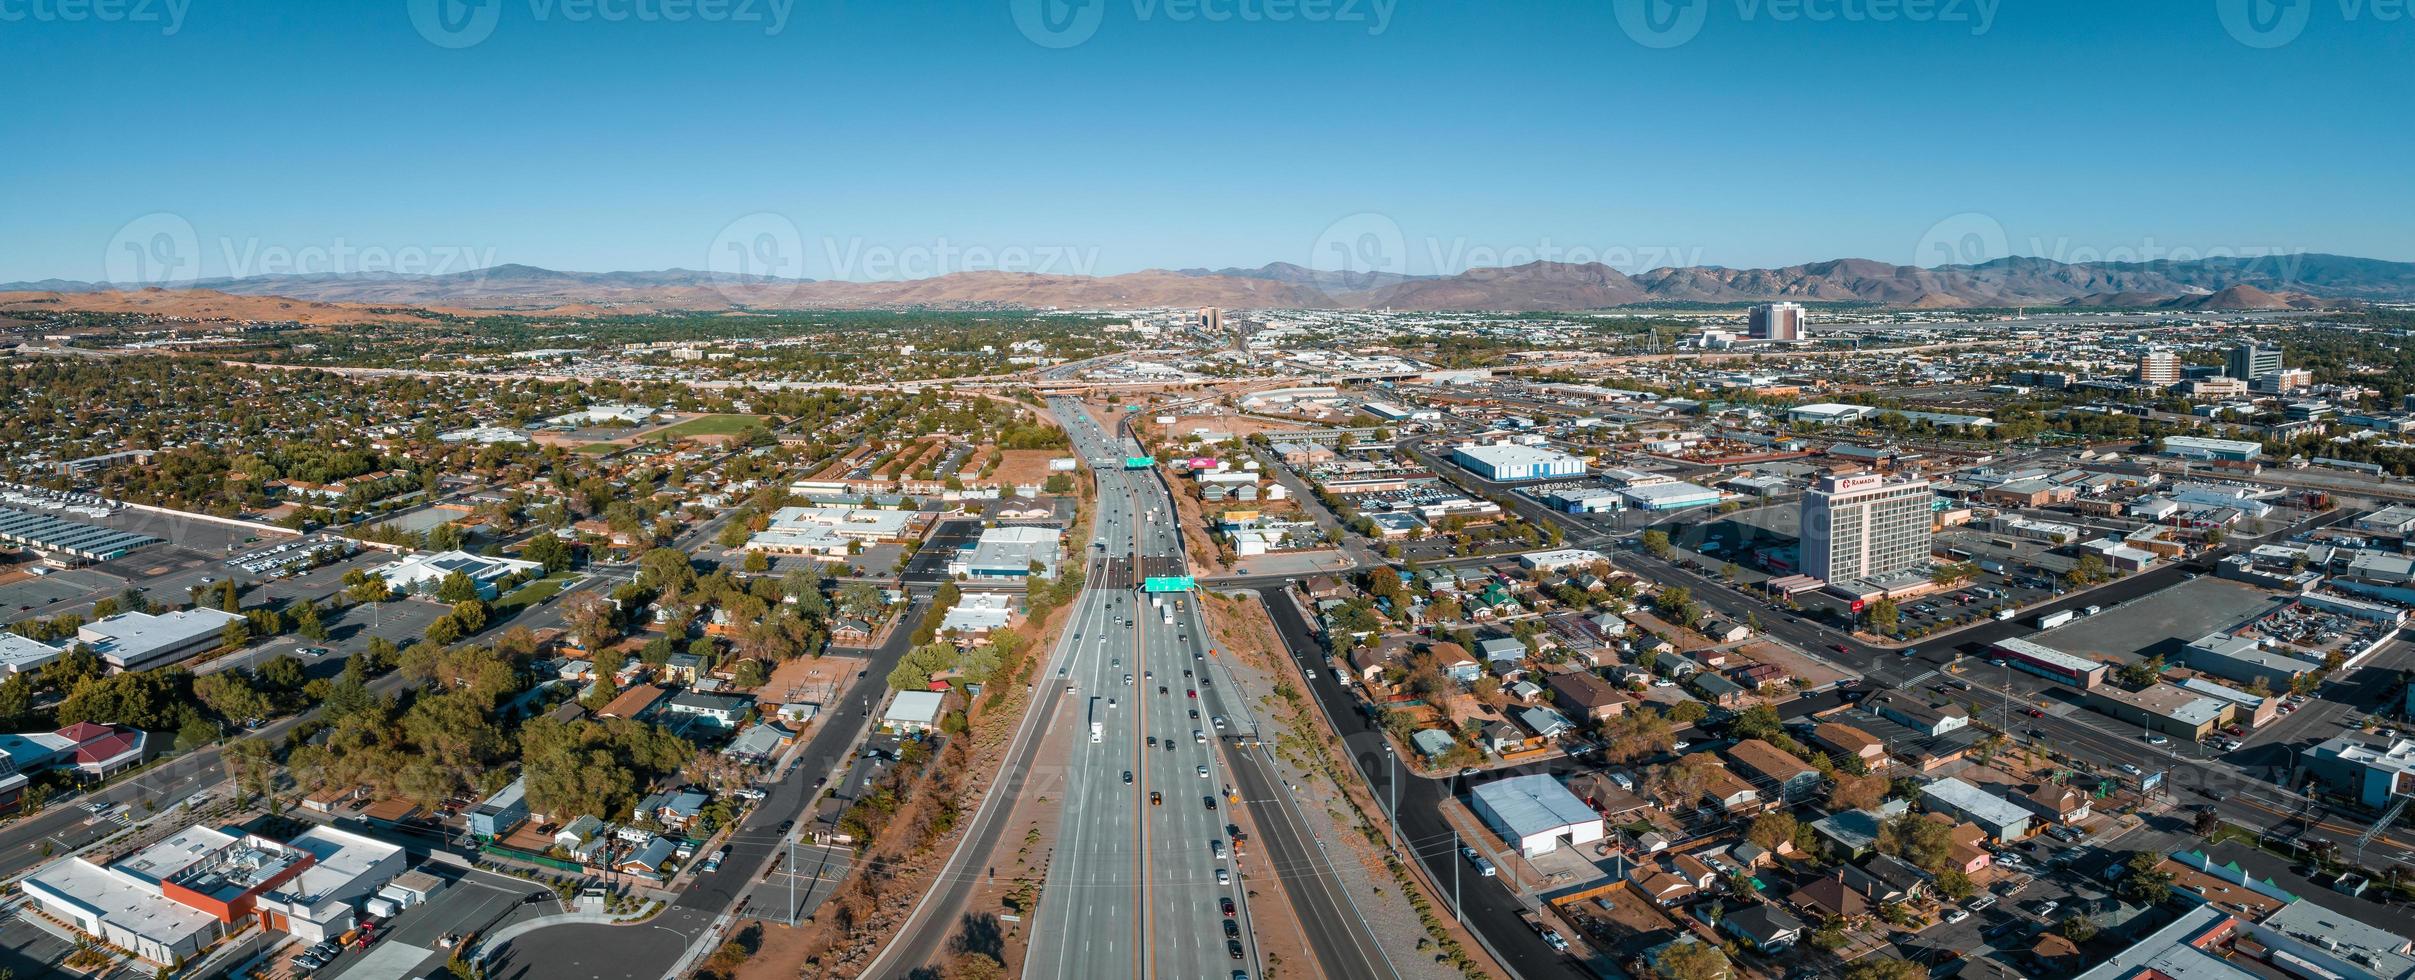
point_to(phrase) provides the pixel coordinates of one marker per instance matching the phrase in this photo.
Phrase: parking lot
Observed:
(410, 945)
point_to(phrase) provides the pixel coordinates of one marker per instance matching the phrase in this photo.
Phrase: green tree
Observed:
(2144, 880)
(1657, 542)
(1882, 615)
(457, 587)
(547, 550)
(1693, 961)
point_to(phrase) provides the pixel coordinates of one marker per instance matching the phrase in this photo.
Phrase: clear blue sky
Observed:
(1165, 138)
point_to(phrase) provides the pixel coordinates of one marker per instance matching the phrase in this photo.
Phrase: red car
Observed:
(2035, 713)
(1840, 648)
(1193, 693)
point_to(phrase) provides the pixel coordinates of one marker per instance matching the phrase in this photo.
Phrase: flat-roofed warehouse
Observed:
(45, 533)
(1505, 461)
(134, 640)
(1535, 813)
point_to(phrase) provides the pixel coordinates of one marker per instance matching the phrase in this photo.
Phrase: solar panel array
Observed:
(43, 532)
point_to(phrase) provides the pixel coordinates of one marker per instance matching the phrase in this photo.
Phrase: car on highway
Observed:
(2131, 769)
(1216, 849)
(1223, 877)
(1840, 648)
(1203, 772)
(1192, 693)
(1227, 904)
(2156, 739)
(1127, 777)
(1232, 947)
(1127, 680)
(1152, 741)
(1198, 736)
(1210, 800)
(1156, 798)
(1194, 714)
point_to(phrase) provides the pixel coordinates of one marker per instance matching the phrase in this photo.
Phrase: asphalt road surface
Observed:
(1133, 885)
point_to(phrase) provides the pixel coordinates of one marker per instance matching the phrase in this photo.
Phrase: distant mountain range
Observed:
(2279, 282)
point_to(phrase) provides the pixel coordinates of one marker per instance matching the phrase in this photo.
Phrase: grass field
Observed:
(714, 425)
(535, 592)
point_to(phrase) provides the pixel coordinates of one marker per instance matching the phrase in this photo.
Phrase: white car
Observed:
(1223, 877)
(1956, 915)
(1203, 772)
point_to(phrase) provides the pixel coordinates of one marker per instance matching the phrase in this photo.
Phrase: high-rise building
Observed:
(1865, 525)
(1776, 321)
(2250, 361)
(2160, 368)
(1211, 319)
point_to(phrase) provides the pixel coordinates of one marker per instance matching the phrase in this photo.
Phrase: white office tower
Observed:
(1864, 526)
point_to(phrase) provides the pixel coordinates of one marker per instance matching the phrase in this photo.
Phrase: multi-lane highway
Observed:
(1142, 875)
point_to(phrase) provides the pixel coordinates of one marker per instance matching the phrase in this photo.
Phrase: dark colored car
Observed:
(1233, 946)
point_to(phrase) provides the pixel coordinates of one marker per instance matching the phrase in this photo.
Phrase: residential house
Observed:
(1546, 723)
(1718, 690)
(1917, 713)
(1830, 897)
(1786, 778)
(1732, 793)
(651, 860)
(1455, 662)
(2056, 803)
(1768, 928)
(683, 668)
(1898, 873)
(1585, 695)
(1695, 871)
(850, 632)
(1847, 741)
(1660, 887)
(719, 710)
(635, 703)
(1759, 677)
(1503, 738)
